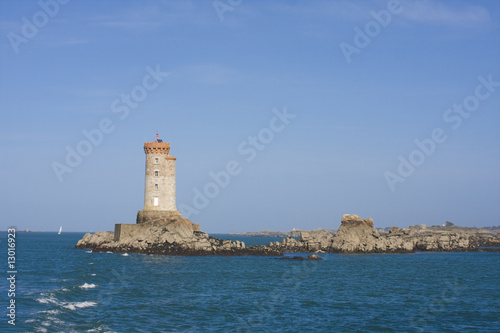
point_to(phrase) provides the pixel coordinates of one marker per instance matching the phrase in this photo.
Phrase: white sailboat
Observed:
(60, 229)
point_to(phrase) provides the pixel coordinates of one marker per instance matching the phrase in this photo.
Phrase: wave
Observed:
(88, 286)
(101, 328)
(52, 312)
(47, 300)
(79, 305)
(125, 254)
(68, 305)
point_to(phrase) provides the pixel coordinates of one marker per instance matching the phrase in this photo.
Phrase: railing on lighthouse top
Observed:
(157, 146)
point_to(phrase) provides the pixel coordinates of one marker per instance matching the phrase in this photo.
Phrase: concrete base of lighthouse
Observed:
(145, 216)
(146, 219)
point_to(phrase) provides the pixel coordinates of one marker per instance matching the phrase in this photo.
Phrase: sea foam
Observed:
(47, 300)
(50, 312)
(80, 305)
(88, 286)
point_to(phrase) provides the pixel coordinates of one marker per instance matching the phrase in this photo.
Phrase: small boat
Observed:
(60, 229)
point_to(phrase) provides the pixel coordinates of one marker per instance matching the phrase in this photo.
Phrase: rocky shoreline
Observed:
(171, 235)
(356, 235)
(177, 235)
(269, 233)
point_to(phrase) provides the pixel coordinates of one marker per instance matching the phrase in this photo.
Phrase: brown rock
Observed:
(355, 235)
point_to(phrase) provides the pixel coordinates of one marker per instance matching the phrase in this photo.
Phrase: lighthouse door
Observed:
(155, 201)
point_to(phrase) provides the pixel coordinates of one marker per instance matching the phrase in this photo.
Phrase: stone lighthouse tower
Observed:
(159, 191)
(159, 196)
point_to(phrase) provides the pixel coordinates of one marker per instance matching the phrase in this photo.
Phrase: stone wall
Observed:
(125, 230)
(157, 223)
(145, 216)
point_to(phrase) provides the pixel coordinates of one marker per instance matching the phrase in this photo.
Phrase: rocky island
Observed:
(176, 235)
(161, 229)
(169, 234)
(356, 235)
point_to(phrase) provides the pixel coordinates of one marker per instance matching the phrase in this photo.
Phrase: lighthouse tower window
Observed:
(156, 173)
(156, 160)
(156, 186)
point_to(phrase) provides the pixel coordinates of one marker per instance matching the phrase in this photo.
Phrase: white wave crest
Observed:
(47, 300)
(56, 321)
(88, 286)
(50, 312)
(102, 328)
(79, 305)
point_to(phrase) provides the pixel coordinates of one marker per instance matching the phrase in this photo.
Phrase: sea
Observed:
(62, 289)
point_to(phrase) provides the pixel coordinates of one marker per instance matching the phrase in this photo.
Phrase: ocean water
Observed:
(62, 289)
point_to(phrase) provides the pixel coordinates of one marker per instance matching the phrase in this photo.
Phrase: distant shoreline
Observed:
(296, 232)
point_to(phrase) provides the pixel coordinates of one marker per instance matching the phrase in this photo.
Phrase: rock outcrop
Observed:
(173, 236)
(486, 240)
(269, 233)
(319, 240)
(176, 235)
(356, 235)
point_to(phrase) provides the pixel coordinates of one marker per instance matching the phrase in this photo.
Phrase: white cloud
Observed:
(345, 10)
(155, 15)
(450, 13)
(434, 12)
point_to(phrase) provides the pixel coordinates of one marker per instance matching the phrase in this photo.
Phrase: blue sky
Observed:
(230, 64)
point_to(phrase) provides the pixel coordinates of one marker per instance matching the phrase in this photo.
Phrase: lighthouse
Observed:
(159, 192)
(159, 186)
(159, 189)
